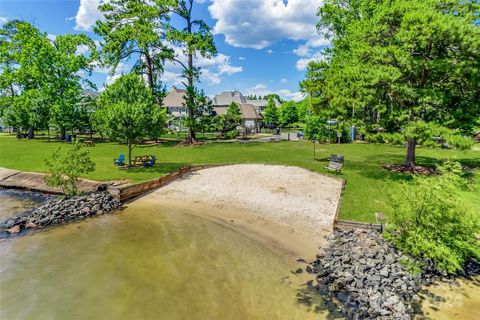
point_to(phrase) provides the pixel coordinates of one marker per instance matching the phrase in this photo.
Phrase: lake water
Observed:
(148, 263)
(13, 202)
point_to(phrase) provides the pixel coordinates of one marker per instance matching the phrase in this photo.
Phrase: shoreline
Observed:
(292, 212)
(280, 238)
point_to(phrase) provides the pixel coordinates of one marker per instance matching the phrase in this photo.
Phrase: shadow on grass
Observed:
(160, 168)
(374, 169)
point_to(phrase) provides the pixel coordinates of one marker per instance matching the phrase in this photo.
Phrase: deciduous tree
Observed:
(127, 112)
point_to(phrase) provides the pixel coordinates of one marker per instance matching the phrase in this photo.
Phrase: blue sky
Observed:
(263, 45)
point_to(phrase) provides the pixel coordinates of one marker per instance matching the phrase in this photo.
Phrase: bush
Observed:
(385, 137)
(428, 222)
(65, 169)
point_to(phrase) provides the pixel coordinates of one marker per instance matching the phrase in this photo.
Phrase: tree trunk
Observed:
(129, 153)
(190, 75)
(410, 160)
(150, 74)
(31, 133)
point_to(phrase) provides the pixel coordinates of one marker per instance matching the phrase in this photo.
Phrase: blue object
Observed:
(120, 161)
(150, 163)
(352, 133)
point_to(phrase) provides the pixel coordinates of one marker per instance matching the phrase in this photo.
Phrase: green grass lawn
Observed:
(367, 182)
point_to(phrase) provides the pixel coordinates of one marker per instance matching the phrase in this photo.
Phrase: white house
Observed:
(174, 103)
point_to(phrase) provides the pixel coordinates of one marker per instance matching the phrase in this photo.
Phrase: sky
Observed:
(263, 45)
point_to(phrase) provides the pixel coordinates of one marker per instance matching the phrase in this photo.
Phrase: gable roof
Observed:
(174, 98)
(226, 97)
(248, 111)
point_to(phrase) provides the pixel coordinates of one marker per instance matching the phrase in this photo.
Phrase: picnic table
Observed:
(89, 143)
(145, 160)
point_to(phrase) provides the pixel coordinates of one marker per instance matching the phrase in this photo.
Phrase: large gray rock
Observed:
(364, 273)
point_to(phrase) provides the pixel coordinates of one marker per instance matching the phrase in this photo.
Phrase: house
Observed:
(251, 118)
(174, 103)
(227, 97)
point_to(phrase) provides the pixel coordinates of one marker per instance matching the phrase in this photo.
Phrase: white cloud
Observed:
(3, 20)
(87, 15)
(303, 62)
(269, 51)
(212, 68)
(257, 24)
(262, 90)
(289, 95)
(283, 80)
(82, 49)
(112, 78)
(121, 68)
(242, 58)
(259, 86)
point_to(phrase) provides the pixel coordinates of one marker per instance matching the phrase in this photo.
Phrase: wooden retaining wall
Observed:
(348, 224)
(128, 192)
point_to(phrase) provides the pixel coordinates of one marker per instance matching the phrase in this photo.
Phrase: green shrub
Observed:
(428, 222)
(65, 169)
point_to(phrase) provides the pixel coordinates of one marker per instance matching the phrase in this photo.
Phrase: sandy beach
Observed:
(289, 208)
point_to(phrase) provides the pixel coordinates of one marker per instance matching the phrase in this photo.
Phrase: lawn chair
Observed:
(150, 162)
(120, 161)
(334, 166)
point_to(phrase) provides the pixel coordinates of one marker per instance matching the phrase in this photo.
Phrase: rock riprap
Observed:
(62, 210)
(365, 276)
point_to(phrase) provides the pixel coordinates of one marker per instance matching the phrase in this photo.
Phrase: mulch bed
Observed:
(187, 143)
(400, 168)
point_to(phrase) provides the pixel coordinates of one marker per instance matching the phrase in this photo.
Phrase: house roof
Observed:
(258, 102)
(226, 97)
(174, 98)
(248, 111)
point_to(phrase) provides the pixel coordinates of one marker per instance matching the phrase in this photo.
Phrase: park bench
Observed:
(336, 158)
(145, 160)
(89, 143)
(335, 163)
(334, 166)
(120, 161)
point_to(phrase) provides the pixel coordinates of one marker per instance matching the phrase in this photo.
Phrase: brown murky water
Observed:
(459, 301)
(13, 202)
(148, 263)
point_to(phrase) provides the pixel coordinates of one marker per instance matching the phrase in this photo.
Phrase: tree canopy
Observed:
(270, 114)
(42, 79)
(136, 30)
(127, 112)
(399, 63)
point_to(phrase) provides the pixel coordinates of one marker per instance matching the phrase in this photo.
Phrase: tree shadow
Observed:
(374, 170)
(160, 168)
(309, 296)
